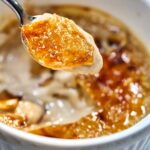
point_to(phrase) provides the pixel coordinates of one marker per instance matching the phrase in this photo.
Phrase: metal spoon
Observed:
(44, 59)
(16, 7)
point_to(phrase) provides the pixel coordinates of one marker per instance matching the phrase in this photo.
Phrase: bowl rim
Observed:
(143, 125)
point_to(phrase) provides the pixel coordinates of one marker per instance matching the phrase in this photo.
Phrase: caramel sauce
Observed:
(57, 43)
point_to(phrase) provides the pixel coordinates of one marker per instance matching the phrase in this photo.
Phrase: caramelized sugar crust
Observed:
(13, 120)
(57, 43)
(118, 94)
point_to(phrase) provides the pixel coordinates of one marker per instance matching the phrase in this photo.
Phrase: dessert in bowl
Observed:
(59, 104)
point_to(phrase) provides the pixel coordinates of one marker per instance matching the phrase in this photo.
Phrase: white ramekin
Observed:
(136, 14)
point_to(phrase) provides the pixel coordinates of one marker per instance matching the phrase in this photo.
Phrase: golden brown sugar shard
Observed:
(8, 104)
(13, 120)
(87, 127)
(58, 43)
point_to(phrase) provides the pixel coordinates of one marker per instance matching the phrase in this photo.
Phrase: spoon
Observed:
(17, 8)
(56, 42)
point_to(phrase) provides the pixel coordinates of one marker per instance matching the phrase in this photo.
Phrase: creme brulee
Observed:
(59, 44)
(61, 104)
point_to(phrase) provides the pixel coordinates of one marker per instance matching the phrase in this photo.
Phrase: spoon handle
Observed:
(16, 7)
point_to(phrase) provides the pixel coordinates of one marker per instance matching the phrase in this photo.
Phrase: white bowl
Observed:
(136, 14)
